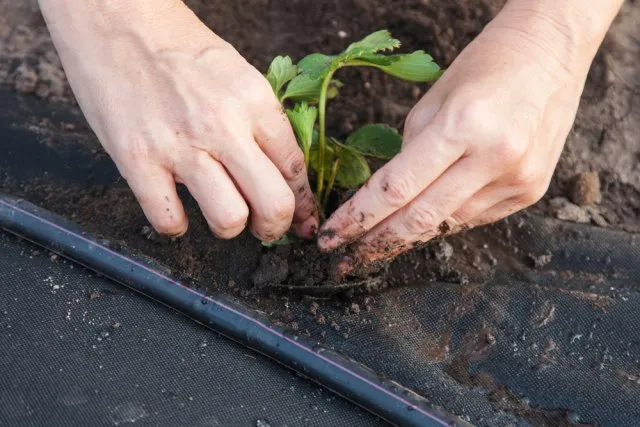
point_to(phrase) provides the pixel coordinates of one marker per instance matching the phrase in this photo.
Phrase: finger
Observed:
(155, 189)
(390, 188)
(497, 212)
(269, 197)
(483, 201)
(220, 202)
(428, 215)
(276, 139)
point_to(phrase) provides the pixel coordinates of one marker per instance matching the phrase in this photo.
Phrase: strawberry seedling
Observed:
(304, 89)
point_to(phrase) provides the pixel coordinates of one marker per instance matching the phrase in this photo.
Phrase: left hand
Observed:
(482, 144)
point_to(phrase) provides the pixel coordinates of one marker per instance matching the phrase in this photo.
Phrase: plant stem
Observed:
(332, 180)
(305, 152)
(322, 142)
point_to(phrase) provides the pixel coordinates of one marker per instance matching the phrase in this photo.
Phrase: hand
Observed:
(172, 102)
(481, 145)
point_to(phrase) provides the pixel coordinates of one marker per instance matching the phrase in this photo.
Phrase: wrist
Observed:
(155, 24)
(559, 33)
(103, 12)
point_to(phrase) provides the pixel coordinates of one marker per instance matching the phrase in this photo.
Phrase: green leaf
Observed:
(287, 239)
(353, 169)
(374, 59)
(376, 140)
(329, 155)
(303, 118)
(303, 88)
(375, 42)
(280, 72)
(316, 65)
(416, 67)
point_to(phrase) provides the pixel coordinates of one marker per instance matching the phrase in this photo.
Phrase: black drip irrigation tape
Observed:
(350, 379)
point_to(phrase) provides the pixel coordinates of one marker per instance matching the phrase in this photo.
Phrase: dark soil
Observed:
(604, 141)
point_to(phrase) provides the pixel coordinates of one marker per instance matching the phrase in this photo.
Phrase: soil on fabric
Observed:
(597, 180)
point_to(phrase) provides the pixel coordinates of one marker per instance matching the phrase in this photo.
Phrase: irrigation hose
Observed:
(350, 379)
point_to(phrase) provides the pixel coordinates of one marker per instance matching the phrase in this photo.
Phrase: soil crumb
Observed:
(565, 210)
(585, 189)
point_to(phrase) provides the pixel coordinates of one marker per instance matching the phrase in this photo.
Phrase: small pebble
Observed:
(585, 189)
(565, 210)
(355, 308)
(313, 309)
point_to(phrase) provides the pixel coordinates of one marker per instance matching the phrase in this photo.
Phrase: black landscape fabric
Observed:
(349, 379)
(78, 350)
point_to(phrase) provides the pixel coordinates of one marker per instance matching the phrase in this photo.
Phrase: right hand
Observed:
(172, 102)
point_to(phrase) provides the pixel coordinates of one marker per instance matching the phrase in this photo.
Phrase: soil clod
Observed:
(354, 308)
(585, 189)
(313, 309)
(539, 261)
(565, 210)
(272, 269)
(442, 251)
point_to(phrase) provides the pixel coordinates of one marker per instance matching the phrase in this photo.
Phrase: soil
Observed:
(597, 179)
(585, 189)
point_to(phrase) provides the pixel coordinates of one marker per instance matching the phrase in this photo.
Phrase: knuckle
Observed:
(468, 116)
(216, 120)
(280, 210)
(293, 167)
(475, 121)
(419, 219)
(466, 214)
(133, 151)
(528, 178)
(414, 123)
(200, 161)
(393, 190)
(234, 151)
(258, 92)
(231, 223)
(534, 194)
(305, 206)
(509, 148)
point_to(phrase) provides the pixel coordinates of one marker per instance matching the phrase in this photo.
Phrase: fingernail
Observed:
(345, 266)
(328, 238)
(177, 234)
(307, 229)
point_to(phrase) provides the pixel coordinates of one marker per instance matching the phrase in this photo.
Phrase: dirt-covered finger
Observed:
(155, 189)
(270, 199)
(482, 202)
(390, 189)
(276, 139)
(427, 216)
(221, 203)
(497, 212)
